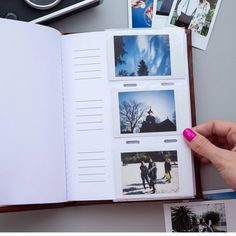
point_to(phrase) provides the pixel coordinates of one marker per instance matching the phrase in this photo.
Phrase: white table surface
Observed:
(215, 93)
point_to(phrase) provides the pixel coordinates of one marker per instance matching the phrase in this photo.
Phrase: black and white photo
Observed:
(208, 217)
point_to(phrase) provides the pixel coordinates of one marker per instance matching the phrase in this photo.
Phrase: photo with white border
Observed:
(140, 13)
(142, 55)
(141, 111)
(128, 180)
(161, 11)
(202, 216)
(197, 15)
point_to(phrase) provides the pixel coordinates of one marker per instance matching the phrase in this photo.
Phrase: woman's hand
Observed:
(215, 142)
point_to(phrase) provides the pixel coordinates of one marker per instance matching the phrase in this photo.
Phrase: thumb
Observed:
(203, 147)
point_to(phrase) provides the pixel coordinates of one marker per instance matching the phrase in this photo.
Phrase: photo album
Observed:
(94, 117)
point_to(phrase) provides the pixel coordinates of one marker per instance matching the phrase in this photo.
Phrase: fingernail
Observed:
(189, 134)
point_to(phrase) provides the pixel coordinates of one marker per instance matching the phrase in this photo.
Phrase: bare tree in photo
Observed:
(131, 114)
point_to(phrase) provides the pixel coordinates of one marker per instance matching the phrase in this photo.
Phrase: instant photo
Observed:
(153, 169)
(161, 11)
(140, 13)
(204, 217)
(196, 15)
(147, 112)
(147, 55)
(163, 7)
(142, 55)
(145, 173)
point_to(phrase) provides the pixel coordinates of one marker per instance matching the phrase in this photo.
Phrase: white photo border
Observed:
(177, 49)
(130, 14)
(181, 105)
(185, 181)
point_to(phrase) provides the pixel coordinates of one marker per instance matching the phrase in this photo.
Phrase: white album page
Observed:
(31, 116)
(87, 117)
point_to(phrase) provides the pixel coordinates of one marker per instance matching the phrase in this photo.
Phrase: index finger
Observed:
(217, 128)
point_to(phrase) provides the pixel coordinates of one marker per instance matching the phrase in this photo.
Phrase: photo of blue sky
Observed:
(147, 111)
(142, 55)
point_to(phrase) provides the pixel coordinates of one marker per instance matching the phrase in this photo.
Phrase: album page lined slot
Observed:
(88, 132)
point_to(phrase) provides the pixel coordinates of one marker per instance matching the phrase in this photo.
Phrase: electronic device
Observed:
(42, 4)
(43, 11)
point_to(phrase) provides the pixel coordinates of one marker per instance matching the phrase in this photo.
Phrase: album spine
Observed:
(193, 112)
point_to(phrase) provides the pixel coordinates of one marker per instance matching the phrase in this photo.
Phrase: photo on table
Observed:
(140, 13)
(163, 7)
(207, 217)
(151, 172)
(196, 15)
(161, 11)
(143, 112)
(142, 56)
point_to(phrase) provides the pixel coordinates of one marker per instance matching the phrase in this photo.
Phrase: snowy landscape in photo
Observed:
(137, 165)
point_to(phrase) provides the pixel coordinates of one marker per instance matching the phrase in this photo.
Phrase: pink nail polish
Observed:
(189, 134)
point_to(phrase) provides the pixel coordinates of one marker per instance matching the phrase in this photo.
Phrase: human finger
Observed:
(224, 129)
(204, 148)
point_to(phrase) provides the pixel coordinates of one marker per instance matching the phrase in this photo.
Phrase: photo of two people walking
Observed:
(150, 172)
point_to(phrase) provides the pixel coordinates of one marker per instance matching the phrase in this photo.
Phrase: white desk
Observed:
(215, 91)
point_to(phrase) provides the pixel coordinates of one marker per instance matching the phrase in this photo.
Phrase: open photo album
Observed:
(95, 116)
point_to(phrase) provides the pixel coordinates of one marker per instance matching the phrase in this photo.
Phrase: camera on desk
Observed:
(43, 11)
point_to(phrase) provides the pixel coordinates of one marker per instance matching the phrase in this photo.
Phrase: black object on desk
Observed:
(42, 11)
